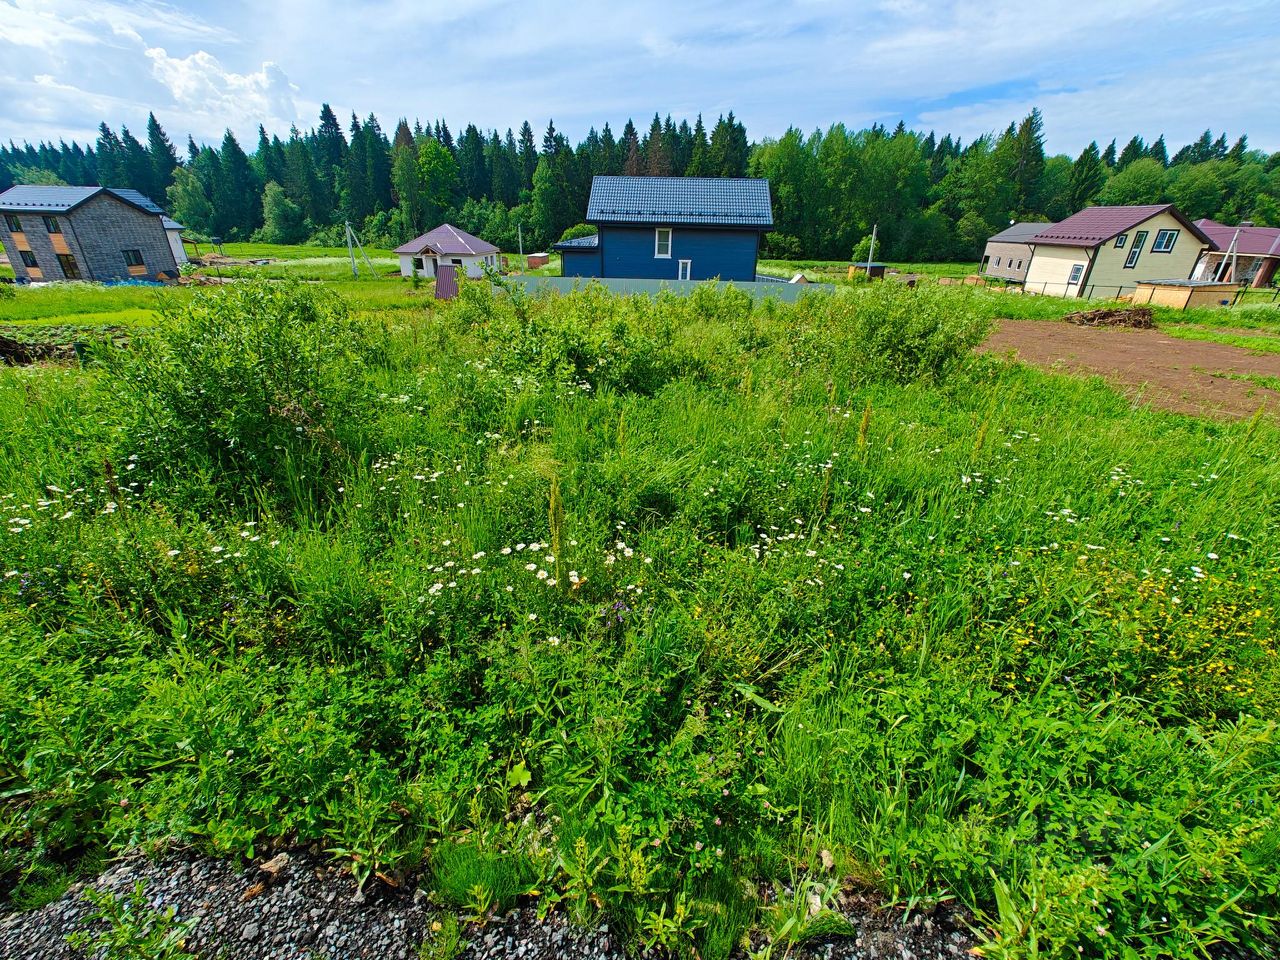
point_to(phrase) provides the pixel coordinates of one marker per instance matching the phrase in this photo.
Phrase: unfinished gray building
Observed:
(84, 233)
(1008, 254)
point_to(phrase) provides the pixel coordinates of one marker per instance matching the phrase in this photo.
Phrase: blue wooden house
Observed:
(671, 228)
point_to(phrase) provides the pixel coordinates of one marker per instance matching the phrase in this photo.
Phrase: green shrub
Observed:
(261, 380)
(902, 334)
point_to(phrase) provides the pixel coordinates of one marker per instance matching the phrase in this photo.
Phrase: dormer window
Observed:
(662, 243)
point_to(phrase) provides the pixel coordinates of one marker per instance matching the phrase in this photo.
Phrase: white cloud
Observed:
(202, 87)
(1097, 68)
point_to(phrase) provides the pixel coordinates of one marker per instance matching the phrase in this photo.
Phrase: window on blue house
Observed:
(662, 243)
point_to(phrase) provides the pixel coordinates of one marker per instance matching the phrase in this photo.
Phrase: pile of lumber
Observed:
(1137, 317)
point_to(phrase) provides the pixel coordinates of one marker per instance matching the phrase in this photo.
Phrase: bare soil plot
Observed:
(1186, 376)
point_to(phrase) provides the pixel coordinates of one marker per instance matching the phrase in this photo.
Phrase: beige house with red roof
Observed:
(1107, 251)
(1253, 261)
(446, 245)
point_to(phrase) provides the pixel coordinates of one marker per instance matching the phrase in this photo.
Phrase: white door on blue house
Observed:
(686, 270)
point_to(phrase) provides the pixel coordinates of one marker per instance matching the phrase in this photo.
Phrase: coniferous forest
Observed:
(932, 198)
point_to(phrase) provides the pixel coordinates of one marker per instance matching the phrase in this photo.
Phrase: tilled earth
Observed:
(298, 906)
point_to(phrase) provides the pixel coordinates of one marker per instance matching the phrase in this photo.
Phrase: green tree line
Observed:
(931, 198)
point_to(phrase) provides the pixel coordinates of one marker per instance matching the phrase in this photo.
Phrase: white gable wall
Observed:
(471, 264)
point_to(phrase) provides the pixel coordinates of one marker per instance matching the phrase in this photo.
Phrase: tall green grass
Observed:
(638, 607)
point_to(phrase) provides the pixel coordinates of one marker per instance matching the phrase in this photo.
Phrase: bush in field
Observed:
(902, 334)
(263, 379)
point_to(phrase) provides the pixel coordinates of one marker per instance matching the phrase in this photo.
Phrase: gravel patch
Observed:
(300, 906)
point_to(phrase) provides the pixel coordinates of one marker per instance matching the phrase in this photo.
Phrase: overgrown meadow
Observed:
(684, 613)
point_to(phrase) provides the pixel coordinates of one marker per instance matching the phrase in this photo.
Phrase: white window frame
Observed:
(657, 242)
(1077, 273)
(1171, 235)
(684, 270)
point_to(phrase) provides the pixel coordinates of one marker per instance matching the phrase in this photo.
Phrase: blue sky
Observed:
(1096, 68)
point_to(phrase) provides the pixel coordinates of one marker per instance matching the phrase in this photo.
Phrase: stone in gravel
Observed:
(249, 932)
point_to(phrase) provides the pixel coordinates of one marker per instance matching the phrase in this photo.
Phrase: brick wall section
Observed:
(104, 227)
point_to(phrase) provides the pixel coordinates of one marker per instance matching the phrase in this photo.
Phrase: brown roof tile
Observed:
(447, 240)
(1255, 241)
(1095, 225)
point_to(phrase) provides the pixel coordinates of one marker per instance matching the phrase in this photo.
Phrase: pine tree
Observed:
(549, 139)
(331, 145)
(1159, 152)
(1135, 149)
(632, 165)
(136, 168)
(357, 191)
(403, 137)
(164, 159)
(1239, 150)
(608, 165)
(657, 162)
(471, 164)
(111, 163)
(237, 193)
(1109, 155)
(698, 158)
(504, 172)
(301, 182)
(528, 156)
(1087, 177)
(1029, 163)
(379, 161)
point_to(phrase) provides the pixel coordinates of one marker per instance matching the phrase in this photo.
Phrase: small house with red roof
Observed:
(1107, 251)
(1246, 254)
(447, 245)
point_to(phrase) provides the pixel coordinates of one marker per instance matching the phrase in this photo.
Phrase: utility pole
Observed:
(871, 251)
(353, 244)
(520, 234)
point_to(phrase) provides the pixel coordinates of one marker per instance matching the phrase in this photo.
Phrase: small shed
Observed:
(1182, 294)
(536, 260)
(873, 270)
(446, 245)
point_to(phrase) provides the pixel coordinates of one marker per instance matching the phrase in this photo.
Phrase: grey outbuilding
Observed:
(1008, 254)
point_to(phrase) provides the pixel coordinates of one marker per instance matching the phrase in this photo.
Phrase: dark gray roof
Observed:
(31, 198)
(676, 201)
(578, 243)
(1018, 232)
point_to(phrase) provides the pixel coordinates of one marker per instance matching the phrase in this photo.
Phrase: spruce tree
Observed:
(528, 156)
(1135, 149)
(1087, 177)
(164, 159)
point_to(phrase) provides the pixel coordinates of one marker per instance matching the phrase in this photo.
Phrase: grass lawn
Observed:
(686, 615)
(830, 271)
